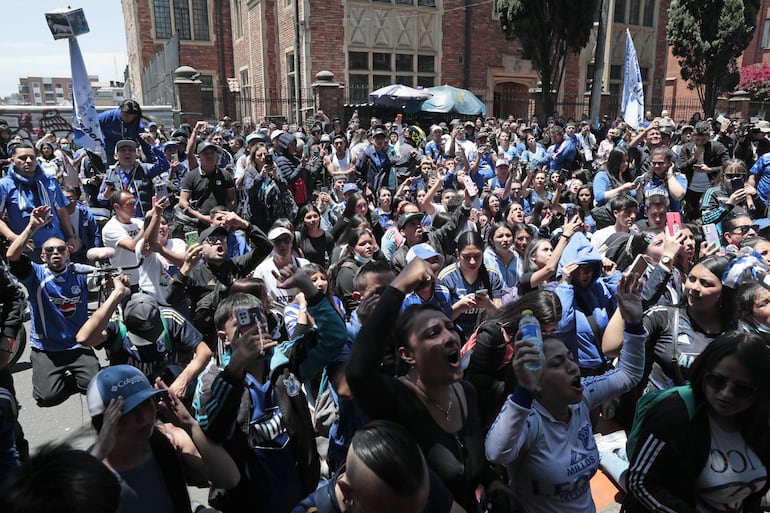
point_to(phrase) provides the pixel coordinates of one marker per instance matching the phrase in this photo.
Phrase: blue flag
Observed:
(85, 122)
(633, 90)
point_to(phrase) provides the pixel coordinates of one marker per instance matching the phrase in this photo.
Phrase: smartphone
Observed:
(711, 235)
(638, 266)
(248, 317)
(737, 183)
(161, 190)
(482, 293)
(564, 175)
(316, 153)
(191, 238)
(269, 159)
(470, 186)
(570, 213)
(673, 223)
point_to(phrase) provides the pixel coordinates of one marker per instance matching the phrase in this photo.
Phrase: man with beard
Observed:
(59, 304)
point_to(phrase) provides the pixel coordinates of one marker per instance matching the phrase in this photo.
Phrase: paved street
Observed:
(68, 422)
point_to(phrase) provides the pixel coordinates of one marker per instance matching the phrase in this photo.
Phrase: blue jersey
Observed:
(451, 278)
(58, 301)
(20, 195)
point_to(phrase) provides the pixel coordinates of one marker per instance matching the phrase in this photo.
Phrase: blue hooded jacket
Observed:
(598, 299)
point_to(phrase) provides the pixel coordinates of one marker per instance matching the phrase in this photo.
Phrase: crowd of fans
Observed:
(327, 319)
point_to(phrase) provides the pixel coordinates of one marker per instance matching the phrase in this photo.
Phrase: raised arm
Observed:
(93, 333)
(40, 217)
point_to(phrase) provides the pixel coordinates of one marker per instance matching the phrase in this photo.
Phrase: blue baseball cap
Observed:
(349, 187)
(118, 381)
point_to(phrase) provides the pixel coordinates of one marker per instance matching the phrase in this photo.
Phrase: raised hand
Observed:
(629, 298)
(416, 273)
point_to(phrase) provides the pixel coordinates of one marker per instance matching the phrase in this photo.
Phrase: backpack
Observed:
(647, 402)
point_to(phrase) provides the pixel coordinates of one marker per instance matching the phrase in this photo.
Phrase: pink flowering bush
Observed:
(755, 80)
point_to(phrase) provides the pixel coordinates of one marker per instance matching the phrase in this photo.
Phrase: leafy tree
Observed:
(548, 30)
(706, 36)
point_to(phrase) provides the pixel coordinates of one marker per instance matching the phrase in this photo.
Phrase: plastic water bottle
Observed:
(530, 330)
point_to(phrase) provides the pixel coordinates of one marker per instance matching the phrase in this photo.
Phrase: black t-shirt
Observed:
(207, 191)
(318, 250)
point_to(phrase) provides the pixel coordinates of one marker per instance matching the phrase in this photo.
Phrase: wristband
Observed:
(568, 237)
(303, 309)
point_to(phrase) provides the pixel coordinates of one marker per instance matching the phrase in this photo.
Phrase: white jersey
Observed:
(551, 462)
(115, 231)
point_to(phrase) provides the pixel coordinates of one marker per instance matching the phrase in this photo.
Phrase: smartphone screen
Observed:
(711, 235)
(191, 238)
(673, 223)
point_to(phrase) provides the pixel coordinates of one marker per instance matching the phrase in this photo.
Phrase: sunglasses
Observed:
(215, 240)
(735, 175)
(744, 229)
(739, 390)
(51, 249)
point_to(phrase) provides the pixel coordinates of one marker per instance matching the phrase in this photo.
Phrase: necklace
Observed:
(446, 411)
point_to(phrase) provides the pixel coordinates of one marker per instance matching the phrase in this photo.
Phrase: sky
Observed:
(29, 50)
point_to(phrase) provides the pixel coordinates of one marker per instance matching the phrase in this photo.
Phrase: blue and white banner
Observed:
(85, 122)
(633, 90)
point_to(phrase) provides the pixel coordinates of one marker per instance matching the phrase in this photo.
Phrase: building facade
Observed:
(272, 50)
(203, 31)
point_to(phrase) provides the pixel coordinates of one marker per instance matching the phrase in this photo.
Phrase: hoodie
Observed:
(597, 300)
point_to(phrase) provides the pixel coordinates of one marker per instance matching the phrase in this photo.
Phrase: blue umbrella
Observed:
(448, 99)
(397, 96)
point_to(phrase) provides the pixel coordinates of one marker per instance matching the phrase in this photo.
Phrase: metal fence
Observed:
(279, 106)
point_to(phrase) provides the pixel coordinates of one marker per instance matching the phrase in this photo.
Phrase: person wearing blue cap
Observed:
(151, 459)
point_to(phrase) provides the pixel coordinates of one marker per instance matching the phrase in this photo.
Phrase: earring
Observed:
(347, 501)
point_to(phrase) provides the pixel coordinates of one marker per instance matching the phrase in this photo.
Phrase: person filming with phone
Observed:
(255, 405)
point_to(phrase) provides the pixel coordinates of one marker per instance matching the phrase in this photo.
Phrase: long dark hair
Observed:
(350, 205)
(471, 238)
(751, 350)
(545, 306)
(716, 265)
(299, 222)
(614, 161)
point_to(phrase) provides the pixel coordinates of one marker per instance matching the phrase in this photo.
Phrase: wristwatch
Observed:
(666, 260)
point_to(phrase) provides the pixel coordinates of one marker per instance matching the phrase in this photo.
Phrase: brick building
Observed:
(275, 49)
(203, 32)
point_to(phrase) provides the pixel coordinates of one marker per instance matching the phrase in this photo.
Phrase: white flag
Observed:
(633, 90)
(85, 122)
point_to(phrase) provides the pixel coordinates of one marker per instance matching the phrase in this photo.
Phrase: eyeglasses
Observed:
(744, 229)
(739, 390)
(216, 239)
(51, 249)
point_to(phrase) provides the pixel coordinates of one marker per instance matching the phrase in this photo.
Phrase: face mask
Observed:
(362, 260)
(65, 147)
